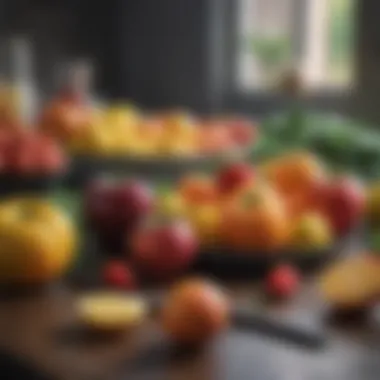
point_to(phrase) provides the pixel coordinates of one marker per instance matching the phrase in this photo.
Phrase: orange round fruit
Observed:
(64, 120)
(296, 173)
(297, 205)
(194, 311)
(256, 221)
(198, 189)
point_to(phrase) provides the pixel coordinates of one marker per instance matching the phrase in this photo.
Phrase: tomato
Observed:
(283, 281)
(118, 274)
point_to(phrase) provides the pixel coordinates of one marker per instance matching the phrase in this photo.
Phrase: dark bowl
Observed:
(85, 167)
(226, 263)
(12, 184)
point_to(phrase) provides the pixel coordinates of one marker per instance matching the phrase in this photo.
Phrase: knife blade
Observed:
(308, 337)
(255, 321)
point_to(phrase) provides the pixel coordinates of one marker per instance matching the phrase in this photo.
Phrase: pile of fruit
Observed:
(27, 153)
(124, 130)
(288, 204)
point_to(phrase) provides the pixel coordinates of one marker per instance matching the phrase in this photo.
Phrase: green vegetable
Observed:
(344, 144)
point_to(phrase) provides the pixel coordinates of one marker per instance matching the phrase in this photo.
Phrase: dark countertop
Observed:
(41, 329)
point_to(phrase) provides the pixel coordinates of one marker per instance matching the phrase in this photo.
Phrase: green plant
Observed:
(270, 50)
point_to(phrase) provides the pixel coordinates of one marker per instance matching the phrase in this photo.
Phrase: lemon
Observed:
(111, 311)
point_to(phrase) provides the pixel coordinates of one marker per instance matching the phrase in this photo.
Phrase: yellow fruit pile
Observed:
(124, 130)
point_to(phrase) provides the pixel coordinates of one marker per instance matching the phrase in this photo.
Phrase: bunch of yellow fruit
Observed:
(109, 132)
(122, 130)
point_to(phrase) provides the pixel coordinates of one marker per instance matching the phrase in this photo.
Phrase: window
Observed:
(313, 36)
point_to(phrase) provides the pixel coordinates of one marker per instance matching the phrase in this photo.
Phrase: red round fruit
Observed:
(164, 250)
(116, 209)
(118, 274)
(134, 200)
(283, 281)
(344, 204)
(234, 176)
(242, 131)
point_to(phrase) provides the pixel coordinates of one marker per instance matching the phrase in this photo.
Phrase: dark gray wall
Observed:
(166, 53)
(366, 94)
(49, 26)
(60, 31)
(158, 53)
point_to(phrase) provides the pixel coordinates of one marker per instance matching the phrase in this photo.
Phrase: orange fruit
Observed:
(198, 189)
(296, 173)
(256, 220)
(194, 311)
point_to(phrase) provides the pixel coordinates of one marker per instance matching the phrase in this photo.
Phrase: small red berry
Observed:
(118, 274)
(282, 282)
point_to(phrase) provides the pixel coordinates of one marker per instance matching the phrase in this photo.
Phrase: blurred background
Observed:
(209, 55)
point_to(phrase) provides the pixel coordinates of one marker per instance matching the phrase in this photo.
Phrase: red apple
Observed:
(135, 200)
(164, 250)
(116, 209)
(99, 205)
(343, 201)
(234, 176)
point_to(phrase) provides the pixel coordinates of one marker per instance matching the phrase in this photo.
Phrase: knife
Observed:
(308, 337)
(251, 320)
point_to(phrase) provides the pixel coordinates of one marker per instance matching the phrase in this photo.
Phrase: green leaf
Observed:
(374, 242)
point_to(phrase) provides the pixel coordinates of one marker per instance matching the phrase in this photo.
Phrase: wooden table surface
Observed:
(42, 328)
